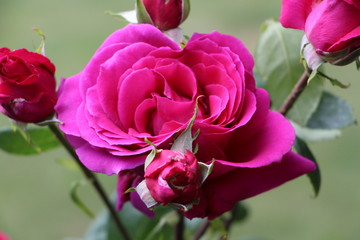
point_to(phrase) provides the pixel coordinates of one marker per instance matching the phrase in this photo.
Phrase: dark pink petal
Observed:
(331, 21)
(136, 33)
(130, 96)
(230, 42)
(68, 93)
(110, 74)
(295, 12)
(350, 39)
(241, 183)
(168, 111)
(180, 84)
(98, 160)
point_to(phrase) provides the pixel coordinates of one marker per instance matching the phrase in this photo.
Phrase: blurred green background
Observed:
(34, 191)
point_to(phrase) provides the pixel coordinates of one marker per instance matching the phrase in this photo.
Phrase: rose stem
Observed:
(92, 179)
(201, 230)
(295, 93)
(179, 227)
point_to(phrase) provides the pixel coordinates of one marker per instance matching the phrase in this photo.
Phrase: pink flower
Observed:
(173, 177)
(3, 236)
(27, 85)
(164, 14)
(330, 25)
(139, 84)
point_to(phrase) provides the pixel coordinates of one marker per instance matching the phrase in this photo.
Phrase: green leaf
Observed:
(313, 134)
(315, 176)
(277, 62)
(77, 200)
(332, 113)
(42, 139)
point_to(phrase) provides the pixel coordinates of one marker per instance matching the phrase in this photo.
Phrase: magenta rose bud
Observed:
(27, 85)
(331, 26)
(173, 177)
(164, 14)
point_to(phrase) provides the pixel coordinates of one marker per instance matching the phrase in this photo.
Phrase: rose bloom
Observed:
(173, 177)
(27, 85)
(330, 25)
(140, 84)
(164, 14)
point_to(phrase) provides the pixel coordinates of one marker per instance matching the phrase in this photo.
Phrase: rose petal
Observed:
(222, 193)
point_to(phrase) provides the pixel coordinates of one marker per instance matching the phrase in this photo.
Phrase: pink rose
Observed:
(3, 236)
(330, 25)
(27, 85)
(164, 14)
(173, 177)
(140, 84)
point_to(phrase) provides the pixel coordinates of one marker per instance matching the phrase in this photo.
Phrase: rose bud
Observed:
(27, 85)
(331, 26)
(164, 14)
(173, 177)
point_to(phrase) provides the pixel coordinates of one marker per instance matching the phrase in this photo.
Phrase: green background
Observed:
(34, 191)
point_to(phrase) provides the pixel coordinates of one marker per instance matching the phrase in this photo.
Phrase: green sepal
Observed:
(141, 13)
(357, 62)
(129, 190)
(186, 9)
(76, 199)
(145, 194)
(315, 177)
(151, 156)
(127, 16)
(41, 48)
(333, 81)
(185, 139)
(309, 56)
(205, 170)
(49, 122)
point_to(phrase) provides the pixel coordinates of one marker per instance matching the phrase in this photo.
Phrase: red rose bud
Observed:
(173, 177)
(164, 14)
(27, 85)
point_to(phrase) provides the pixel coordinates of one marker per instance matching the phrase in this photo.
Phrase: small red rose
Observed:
(27, 85)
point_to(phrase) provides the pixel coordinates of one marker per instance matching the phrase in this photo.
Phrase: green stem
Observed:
(179, 227)
(295, 93)
(92, 179)
(201, 230)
